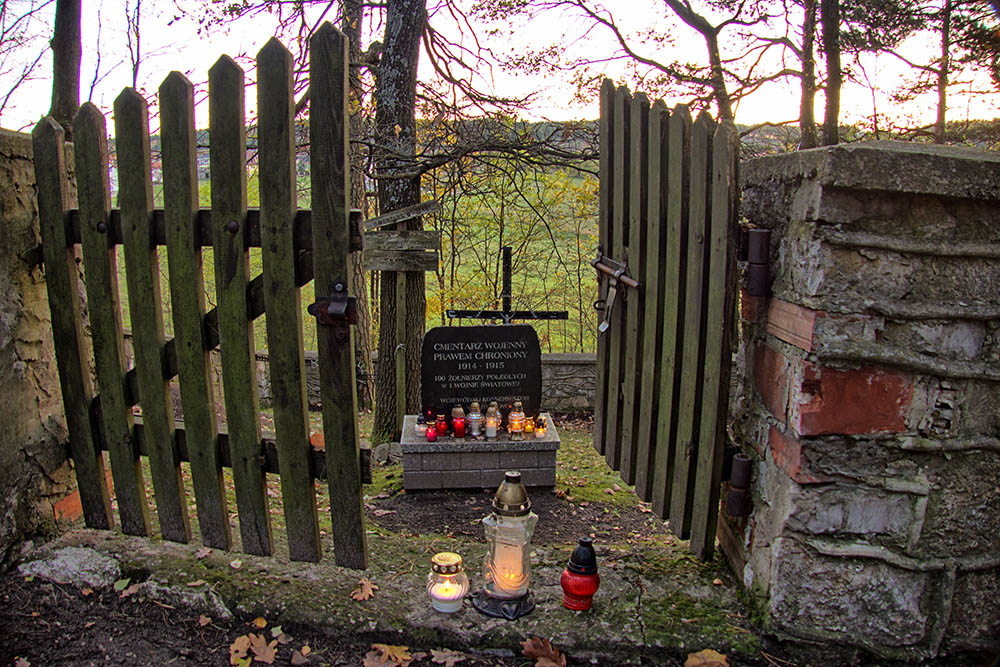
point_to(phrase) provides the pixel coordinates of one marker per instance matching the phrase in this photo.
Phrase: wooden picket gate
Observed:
(295, 246)
(668, 224)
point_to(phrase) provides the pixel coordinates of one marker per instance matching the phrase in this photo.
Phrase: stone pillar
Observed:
(869, 393)
(34, 472)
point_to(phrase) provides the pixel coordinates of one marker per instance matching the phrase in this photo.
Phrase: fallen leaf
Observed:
(29, 578)
(609, 492)
(446, 657)
(306, 650)
(298, 658)
(203, 553)
(196, 583)
(717, 582)
(544, 653)
(236, 564)
(365, 590)
(238, 649)
(383, 512)
(86, 591)
(21, 662)
(131, 590)
(616, 487)
(585, 503)
(122, 584)
(89, 624)
(396, 656)
(262, 650)
(276, 630)
(204, 620)
(260, 622)
(706, 658)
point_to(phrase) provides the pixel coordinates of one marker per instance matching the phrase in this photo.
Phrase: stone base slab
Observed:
(468, 463)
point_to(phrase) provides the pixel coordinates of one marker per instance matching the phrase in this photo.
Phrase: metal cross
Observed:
(507, 315)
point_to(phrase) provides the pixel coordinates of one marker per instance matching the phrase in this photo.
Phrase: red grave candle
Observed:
(458, 425)
(442, 425)
(432, 434)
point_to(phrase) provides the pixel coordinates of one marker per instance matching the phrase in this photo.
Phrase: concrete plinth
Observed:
(471, 463)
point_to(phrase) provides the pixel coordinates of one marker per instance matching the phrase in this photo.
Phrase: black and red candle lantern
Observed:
(580, 579)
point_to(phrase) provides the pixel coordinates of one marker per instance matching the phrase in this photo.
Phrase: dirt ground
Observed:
(42, 623)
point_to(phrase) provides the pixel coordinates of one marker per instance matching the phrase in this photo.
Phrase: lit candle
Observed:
(540, 428)
(447, 583)
(515, 422)
(432, 434)
(442, 425)
(491, 423)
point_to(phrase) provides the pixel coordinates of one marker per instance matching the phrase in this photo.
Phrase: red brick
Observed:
(786, 452)
(770, 376)
(751, 307)
(792, 323)
(852, 402)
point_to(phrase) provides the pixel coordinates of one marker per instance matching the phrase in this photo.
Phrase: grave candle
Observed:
(432, 434)
(515, 422)
(474, 420)
(447, 583)
(507, 568)
(492, 421)
(458, 421)
(540, 428)
(442, 425)
(421, 426)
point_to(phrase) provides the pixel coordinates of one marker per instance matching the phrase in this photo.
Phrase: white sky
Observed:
(177, 46)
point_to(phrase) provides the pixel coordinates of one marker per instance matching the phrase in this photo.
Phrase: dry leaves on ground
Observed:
(301, 656)
(263, 650)
(706, 658)
(544, 653)
(387, 655)
(446, 657)
(365, 590)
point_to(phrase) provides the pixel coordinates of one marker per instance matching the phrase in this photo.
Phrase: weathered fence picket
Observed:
(72, 357)
(668, 220)
(135, 201)
(187, 300)
(287, 238)
(331, 185)
(276, 155)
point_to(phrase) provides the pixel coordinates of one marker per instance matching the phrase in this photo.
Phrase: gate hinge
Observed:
(339, 310)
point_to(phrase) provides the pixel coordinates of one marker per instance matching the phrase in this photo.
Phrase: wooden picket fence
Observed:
(295, 246)
(668, 221)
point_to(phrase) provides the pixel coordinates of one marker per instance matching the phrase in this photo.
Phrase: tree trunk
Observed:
(395, 136)
(351, 27)
(830, 14)
(66, 53)
(942, 74)
(807, 99)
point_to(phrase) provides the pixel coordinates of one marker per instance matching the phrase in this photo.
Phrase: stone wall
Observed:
(867, 389)
(34, 472)
(567, 381)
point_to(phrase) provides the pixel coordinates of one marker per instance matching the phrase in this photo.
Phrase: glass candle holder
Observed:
(458, 421)
(474, 420)
(447, 583)
(491, 423)
(507, 568)
(515, 422)
(441, 425)
(432, 433)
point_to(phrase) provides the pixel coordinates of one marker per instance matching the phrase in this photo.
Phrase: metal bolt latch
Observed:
(339, 310)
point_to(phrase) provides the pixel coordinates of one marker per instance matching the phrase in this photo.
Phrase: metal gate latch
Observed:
(339, 310)
(614, 272)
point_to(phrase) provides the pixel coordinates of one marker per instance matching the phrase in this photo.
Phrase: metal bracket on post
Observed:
(614, 272)
(339, 310)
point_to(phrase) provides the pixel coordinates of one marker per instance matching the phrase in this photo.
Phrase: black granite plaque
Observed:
(500, 363)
